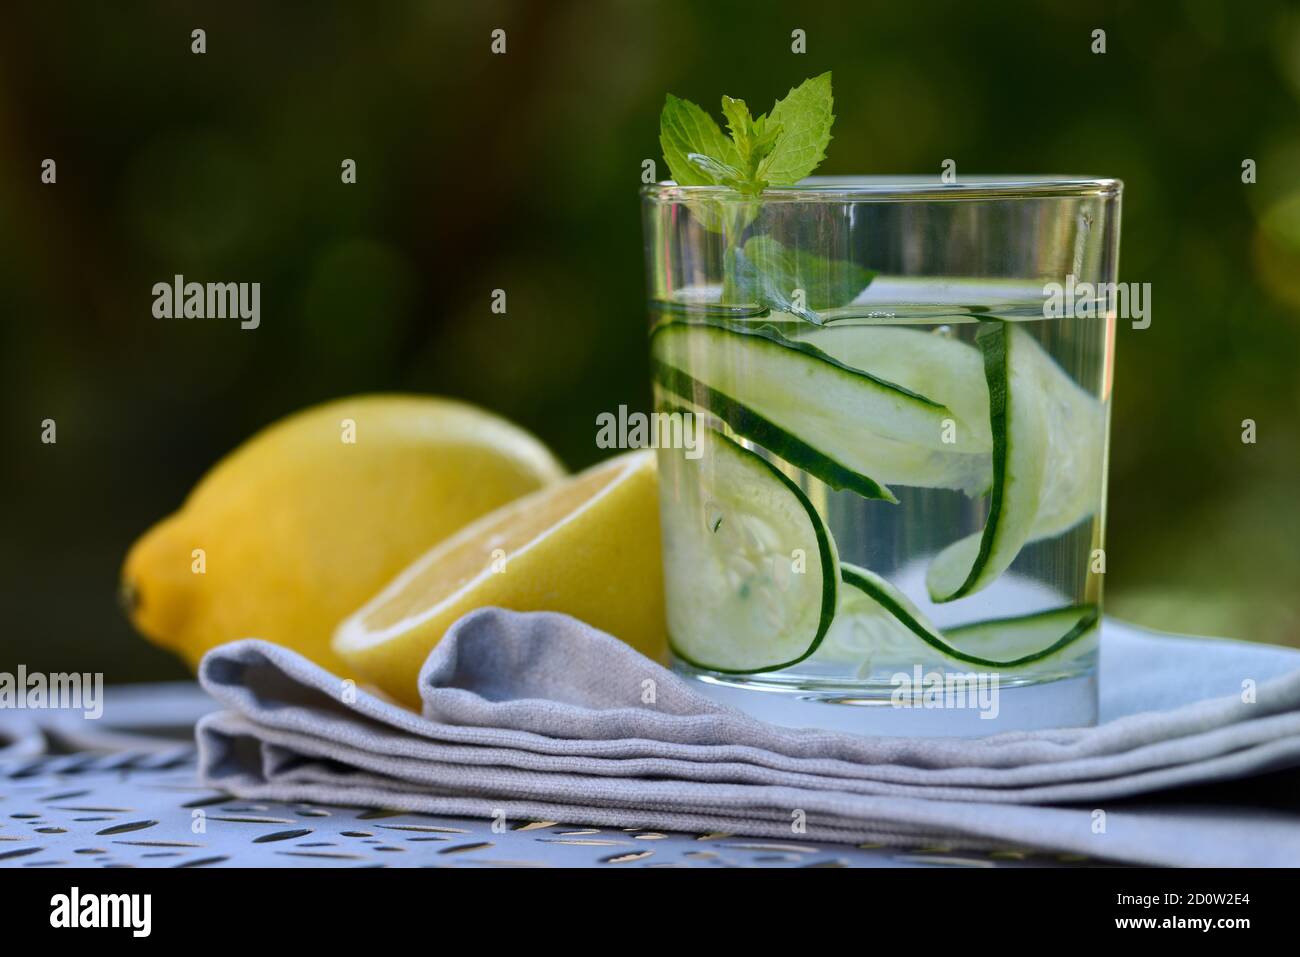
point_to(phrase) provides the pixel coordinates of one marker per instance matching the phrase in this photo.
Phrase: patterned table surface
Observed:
(122, 792)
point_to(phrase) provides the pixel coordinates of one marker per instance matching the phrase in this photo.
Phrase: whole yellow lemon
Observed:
(305, 521)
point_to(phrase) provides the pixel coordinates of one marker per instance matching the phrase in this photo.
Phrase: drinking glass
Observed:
(892, 517)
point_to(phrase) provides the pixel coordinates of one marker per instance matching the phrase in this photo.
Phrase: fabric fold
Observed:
(538, 715)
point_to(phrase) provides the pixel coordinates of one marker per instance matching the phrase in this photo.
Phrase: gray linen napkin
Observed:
(539, 716)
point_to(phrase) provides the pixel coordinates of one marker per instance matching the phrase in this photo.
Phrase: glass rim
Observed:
(829, 189)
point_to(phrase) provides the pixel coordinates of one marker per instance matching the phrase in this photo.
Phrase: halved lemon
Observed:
(587, 546)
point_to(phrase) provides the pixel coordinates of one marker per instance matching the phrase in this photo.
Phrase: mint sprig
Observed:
(774, 149)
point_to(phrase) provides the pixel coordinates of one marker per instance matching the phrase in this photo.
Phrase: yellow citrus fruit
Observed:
(588, 546)
(302, 523)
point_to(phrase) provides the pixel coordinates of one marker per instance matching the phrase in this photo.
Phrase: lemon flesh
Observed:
(588, 546)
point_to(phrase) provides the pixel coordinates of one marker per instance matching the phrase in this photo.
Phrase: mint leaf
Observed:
(740, 123)
(805, 119)
(685, 129)
(718, 171)
(768, 135)
(754, 139)
(794, 281)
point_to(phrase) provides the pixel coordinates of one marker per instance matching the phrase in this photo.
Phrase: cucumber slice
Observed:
(846, 427)
(952, 372)
(750, 571)
(945, 369)
(877, 623)
(748, 423)
(869, 634)
(1018, 424)
(1076, 448)
(1025, 639)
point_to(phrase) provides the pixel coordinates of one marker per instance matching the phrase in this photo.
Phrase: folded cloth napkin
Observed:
(539, 716)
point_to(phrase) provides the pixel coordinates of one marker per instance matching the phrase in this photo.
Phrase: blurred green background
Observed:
(521, 172)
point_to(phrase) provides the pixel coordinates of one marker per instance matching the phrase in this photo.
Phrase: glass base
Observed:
(1063, 702)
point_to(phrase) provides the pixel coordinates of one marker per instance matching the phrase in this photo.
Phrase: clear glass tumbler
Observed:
(883, 505)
